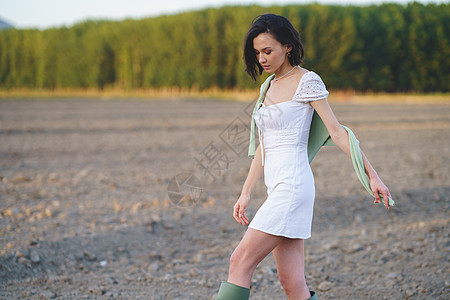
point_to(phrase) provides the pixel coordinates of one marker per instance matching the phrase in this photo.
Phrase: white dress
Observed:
(288, 209)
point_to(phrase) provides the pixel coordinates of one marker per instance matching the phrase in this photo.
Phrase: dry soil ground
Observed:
(132, 199)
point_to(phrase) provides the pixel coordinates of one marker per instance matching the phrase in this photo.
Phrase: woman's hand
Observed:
(378, 187)
(239, 209)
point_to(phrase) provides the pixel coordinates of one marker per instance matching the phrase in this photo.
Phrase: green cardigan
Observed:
(318, 137)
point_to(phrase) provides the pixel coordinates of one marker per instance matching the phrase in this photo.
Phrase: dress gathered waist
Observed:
(279, 140)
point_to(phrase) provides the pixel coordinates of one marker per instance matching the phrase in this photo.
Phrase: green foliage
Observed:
(388, 47)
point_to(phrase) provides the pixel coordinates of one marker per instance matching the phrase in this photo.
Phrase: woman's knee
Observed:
(240, 260)
(252, 249)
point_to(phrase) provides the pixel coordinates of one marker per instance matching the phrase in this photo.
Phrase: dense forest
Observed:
(387, 47)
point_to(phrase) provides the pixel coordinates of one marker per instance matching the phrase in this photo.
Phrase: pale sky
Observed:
(49, 13)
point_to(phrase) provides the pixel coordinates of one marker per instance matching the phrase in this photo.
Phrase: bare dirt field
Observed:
(132, 199)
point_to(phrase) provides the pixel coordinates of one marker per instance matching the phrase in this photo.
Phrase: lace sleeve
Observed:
(311, 88)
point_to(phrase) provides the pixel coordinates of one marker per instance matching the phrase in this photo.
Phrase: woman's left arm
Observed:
(340, 137)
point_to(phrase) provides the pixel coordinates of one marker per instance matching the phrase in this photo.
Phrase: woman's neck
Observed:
(283, 70)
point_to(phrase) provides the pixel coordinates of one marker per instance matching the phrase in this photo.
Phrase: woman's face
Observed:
(270, 53)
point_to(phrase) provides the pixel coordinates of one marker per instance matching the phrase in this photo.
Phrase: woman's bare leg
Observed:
(253, 248)
(289, 257)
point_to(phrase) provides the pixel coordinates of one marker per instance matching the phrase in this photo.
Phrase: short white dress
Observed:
(288, 209)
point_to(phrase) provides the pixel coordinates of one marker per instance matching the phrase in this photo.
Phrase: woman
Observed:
(284, 118)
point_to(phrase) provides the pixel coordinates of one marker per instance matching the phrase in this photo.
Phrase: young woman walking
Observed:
(283, 119)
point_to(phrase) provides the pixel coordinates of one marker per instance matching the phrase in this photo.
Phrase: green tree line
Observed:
(387, 47)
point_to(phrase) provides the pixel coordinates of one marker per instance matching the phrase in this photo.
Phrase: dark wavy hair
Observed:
(282, 30)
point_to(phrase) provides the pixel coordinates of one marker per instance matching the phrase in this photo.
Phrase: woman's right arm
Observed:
(254, 174)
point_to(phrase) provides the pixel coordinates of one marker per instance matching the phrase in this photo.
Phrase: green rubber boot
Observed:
(313, 296)
(230, 291)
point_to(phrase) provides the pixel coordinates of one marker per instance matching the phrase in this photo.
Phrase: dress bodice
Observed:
(287, 124)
